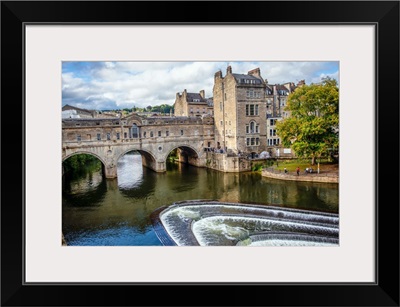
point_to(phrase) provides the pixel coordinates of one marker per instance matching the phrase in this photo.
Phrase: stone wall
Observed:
(331, 178)
(223, 163)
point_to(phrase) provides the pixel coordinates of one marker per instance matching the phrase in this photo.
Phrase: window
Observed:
(257, 141)
(98, 136)
(78, 137)
(181, 132)
(270, 132)
(248, 142)
(251, 109)
(159, 133)
(247, 129)
(108, 136)
(222, 122)
(252, 127)
(274, 141)
(252, 141)
(274, 132)
(135, 131)
(118, 135)
(144, 134)
(229, 123)
(151, 134)
(125, 135)
(209, 144)
(167, 133)
(277, 141)
(257, 130)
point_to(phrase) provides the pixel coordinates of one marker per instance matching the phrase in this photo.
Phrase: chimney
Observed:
(255, 72)
(218, 74)
(229, 70)
(301, 82)
(202, 94)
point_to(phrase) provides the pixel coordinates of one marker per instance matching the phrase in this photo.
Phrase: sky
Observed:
(119, 85)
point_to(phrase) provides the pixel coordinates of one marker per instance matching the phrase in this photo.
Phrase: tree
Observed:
(313, 126)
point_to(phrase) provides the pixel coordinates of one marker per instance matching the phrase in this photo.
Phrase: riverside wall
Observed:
(314, 177)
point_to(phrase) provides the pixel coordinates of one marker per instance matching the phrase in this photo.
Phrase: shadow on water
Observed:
(99, 211)
(86, 188)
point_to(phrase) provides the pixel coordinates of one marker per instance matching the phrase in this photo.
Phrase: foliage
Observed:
(76, 162)
(257, 167)
(313, 127)
(173, 155)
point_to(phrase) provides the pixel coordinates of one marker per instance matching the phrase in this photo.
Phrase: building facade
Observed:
(192, 104)
(240, 112)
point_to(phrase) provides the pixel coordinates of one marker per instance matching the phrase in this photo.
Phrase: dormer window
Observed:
(196, 100)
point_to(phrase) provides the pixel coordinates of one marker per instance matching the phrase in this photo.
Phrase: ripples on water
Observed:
(117, 212)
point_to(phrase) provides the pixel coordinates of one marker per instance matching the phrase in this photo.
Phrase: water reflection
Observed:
(97, 211)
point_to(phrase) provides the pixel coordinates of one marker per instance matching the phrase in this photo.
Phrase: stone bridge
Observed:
(153, 137)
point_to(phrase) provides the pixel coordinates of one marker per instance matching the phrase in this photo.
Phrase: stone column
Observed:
(111, 171)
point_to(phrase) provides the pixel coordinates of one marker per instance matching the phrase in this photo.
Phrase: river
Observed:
(101, 212)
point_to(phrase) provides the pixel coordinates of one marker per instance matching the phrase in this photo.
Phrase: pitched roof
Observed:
(191, 97)
(69, 107)
(241, 78)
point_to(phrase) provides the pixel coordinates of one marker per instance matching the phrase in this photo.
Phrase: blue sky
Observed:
(118, 85)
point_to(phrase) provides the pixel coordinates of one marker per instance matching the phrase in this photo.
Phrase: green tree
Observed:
(313, 126)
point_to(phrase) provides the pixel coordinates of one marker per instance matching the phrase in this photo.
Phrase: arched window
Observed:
(252, 130)
(134, 131)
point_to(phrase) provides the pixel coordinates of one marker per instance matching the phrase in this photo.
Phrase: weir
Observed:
(213, 223)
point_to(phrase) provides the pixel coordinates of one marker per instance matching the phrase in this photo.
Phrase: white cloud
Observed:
(111, 85)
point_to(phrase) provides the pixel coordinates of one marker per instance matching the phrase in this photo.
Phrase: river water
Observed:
(103, 212)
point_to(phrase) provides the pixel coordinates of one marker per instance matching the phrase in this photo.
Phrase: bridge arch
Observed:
(186, 154)
(86, 152)
(148, 158)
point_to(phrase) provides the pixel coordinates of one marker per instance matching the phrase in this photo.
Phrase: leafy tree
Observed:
(313, 126)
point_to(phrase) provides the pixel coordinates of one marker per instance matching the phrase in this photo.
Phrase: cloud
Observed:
(115, 85)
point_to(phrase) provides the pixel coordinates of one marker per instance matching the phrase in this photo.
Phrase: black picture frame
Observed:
(383, 14)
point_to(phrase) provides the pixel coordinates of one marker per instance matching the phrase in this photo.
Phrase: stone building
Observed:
(74, 112)
(277, 97)
(240, 112)
(192, 104)
(246, 110)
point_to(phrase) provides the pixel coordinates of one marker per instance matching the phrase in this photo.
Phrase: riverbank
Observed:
(329, 175)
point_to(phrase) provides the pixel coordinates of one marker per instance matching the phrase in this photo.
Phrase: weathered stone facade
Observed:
(220, 132)
(240, 112)
(154, 138)
(192, 104)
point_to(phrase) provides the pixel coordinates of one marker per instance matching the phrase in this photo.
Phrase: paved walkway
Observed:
(331, 176)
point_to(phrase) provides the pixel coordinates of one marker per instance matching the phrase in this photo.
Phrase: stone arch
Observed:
(86, 152)
(187, 154)
(181, 146)
(148, 158)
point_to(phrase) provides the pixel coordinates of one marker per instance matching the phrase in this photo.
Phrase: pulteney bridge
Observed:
(153, 137)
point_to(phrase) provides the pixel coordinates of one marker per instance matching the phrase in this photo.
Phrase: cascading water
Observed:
(213, 223)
